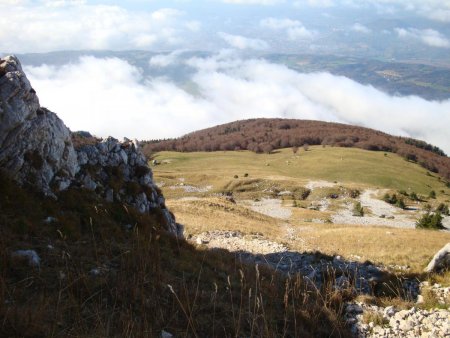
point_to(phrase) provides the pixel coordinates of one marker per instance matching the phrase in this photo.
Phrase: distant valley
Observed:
(394, 77)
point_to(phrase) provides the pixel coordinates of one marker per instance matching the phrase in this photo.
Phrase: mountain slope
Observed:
(265, 135)
(345, 165)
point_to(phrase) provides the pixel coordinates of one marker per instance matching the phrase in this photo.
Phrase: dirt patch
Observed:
(270, 207)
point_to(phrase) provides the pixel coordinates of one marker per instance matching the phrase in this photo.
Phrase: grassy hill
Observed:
(192, 182)
(265, 135)
(344, 165)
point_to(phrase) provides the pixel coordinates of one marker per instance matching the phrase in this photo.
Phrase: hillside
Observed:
(280, 209)
(344, 165)
(88, 247)
(266, 135)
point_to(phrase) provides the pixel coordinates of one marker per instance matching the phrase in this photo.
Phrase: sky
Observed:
(111, 96)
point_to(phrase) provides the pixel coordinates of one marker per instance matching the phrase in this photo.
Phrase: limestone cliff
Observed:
(36, 150)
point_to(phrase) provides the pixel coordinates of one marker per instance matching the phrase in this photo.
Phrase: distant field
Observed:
(345, 165)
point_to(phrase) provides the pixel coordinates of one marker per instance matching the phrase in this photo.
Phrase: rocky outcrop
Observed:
(440, 261)
(118, 171)
(36, 149)
(35, 145)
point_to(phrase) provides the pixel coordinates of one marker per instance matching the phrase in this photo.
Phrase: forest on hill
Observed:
(267, 135)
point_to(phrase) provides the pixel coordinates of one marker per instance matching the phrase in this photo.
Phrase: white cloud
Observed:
(429, 37)
(241, 42)
(110, 97)
(293, 28)
(67, 25)
(357, 27)
(165, 60)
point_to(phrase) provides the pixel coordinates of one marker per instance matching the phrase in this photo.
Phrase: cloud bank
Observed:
(68, 25)
(294, 29)
(241, 42)
(429, 37)
(111, 97)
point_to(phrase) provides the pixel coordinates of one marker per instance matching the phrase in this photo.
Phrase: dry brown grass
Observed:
(219, 214)
(149, 282)
(388, 246)
(381, 245)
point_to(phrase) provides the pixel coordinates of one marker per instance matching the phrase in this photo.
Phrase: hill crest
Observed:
(264, 135)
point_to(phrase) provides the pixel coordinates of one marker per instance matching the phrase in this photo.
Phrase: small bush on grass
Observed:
(358, 210)
(400, 204)
(390, 199)
(443, 209)
(430, 221)
(413, 196)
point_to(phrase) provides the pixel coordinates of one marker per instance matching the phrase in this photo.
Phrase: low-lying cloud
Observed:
(429, 37)
(242, 42)
(294, 29)
(111, 97)
(357, 27)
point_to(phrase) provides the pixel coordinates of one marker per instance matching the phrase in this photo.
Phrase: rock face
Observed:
(440, 261)
(118, 171)
(36, 149)
(35, 145)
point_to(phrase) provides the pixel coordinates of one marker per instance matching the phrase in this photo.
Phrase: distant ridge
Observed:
(264, 135)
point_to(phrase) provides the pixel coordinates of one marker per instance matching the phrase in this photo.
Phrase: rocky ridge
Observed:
(36, 150)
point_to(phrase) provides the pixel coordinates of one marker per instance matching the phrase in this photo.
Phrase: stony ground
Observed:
(390, 322)
(364, 320)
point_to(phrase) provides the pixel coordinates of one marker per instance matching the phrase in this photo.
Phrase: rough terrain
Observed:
(36, 150)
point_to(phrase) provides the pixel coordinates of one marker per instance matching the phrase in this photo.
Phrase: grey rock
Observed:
(109, 195)
(440, 261)
(165, 334)
(33, 258)
(36, 147)
(88, 183)
(18, 100)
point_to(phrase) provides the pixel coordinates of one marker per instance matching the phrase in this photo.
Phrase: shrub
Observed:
(432, 194)
(430, 221)
(443, 209)
(413, 196)
(358, 210)
(236, 176)
(354, 193)
(245, 175)
(427, 207)
(305, 194)
(390, 199)
(400, 203)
